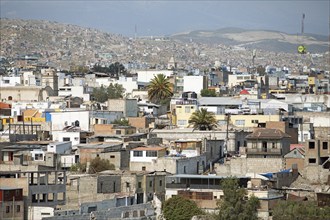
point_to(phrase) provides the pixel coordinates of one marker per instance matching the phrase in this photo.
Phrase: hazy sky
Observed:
(171, 16)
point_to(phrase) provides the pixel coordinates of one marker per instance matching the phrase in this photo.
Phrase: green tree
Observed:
(208, 93)
(98, 165)
(123, 122)
(116, 69)
(115, 91)
(78, 167)
(179, 208)
(203, 120)
(159, 89)
(233, 205)
(287, 210)
(100, 94)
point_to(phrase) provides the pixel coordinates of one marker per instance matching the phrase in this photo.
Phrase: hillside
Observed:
(257, 39)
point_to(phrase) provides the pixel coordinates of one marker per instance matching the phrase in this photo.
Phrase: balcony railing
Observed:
(192, 186)
(263, 151)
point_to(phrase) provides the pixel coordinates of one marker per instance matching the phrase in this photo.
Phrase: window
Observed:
(38, 157)
(311, 145)
(45, 213)
(151, 153)
(312, 160)
(187, 109)
(220, 110)
(143, 168)
(182, 122)
(118, 131)
(222, 122)
(325, 145)
(139, 185)
(255, 121)
(240, 122)
(66, 139)
(160, 182)
(137, 153)
(150, 183)
(273, 145)
(7, 209)
(18, 208)
(112, 156)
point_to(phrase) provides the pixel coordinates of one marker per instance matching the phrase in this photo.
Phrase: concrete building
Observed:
(267, 143)
(237, 79)
(295, 156)
(40, 189)
(113, 129)
(129, 107)
(59, 147)
(11, 203)
(49, 79)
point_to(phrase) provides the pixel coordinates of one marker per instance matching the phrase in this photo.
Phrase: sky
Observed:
(158, 18)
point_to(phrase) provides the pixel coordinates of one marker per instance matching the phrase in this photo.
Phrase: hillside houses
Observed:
(271, 129)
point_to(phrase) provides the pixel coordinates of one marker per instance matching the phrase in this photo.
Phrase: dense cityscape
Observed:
(97, 125)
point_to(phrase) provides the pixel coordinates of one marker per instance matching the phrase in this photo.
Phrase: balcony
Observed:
(264, 151)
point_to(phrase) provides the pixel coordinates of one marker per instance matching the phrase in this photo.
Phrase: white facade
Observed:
(104, 81)
(147, 75)
(194, 84)
(28, 78)
(38, 212)
(128, 83)
(62, 136)
(67, 161)
(59, 147)
(61, 120)
(74, 91)
(234, 80)
(6, 81)
(142, 158)
(38, 155)
(18, 107)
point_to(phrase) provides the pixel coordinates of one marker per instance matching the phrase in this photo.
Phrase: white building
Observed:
(28, 78)
(59, 147)
(74, 91)
(147, 75)
(62, 136)
(6, 81)
(60, 120)
(234, 80)
(17, 108)
(128, 83)
(194, 84)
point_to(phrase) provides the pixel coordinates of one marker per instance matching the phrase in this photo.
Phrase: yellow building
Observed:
(311, 80)
(33, 115)
(183, 113)
(6, 120)
(246, 121)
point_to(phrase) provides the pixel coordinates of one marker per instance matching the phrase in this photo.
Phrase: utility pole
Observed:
(227, 135)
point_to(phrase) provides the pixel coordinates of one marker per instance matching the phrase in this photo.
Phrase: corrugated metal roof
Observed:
(217, 101)
(196, 176)
(148, 148)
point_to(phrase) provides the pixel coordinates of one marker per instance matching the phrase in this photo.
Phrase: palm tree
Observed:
(203, 120)
(159, 89)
